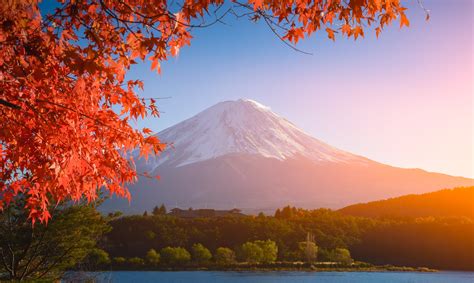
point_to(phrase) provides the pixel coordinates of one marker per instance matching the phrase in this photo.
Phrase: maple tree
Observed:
(66, 106)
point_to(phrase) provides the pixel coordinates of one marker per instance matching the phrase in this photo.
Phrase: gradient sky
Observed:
(405, 99)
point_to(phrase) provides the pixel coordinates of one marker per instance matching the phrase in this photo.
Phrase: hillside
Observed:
(444, 203)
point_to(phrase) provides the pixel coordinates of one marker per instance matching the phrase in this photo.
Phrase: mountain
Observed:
(241, 154)
(458, 202)
(242, 127)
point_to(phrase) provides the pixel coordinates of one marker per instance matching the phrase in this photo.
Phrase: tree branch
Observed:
(8, 104)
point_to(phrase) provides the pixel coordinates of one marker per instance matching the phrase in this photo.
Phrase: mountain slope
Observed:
(246, 127)
(444, 203)
(241, 154)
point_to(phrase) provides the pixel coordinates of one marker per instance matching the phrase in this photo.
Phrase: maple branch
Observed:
(171, 16)
(80, 113)
(157, 98)
(9, 104)
(272, 25)
(281, 38)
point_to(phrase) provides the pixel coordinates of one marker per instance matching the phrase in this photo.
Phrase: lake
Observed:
(283, 277)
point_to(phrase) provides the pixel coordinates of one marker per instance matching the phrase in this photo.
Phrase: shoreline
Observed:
(278, 267)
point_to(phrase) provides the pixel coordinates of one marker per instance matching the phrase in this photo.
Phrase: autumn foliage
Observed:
(66, 105)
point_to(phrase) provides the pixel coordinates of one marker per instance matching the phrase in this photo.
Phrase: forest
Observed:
(79, 237)
(441, 242)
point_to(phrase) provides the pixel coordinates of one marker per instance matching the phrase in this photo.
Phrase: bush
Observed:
(200, 253)
(224, 256)
(136, 261)
(175, 256)
(340, 255)
(119, 260)
(98, 257)
(259, 251)
(152, 257)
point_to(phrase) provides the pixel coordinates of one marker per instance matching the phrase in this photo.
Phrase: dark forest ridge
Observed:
(443, 203)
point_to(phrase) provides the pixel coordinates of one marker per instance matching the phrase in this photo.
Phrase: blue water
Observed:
(282, 277)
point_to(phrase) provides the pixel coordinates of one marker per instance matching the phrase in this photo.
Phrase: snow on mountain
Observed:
(243, 126)
(241, 154)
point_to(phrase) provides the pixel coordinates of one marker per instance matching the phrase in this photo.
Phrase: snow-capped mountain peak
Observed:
(241, 127)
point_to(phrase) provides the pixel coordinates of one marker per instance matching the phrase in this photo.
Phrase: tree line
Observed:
(255, 252)
(435, 242)
(80, 238)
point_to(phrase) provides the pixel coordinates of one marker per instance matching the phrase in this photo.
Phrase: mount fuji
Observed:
(241, 154)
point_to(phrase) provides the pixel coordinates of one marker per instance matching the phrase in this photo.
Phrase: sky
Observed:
(405, 99)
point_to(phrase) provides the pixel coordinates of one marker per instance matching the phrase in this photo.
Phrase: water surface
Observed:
(282, 277)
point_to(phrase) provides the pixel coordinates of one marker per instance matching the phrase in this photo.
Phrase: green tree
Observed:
(251, 252)
(114, 215)
(156, 210)
(277, 213)
(259, 251)
(159, 210)
(98, 258)
(340, 255)
(224, 256)
(269, 250)
(200, 254)
(308, 249)
(119, 260)
(288, 212)
(44, 252)
(175, 256)
(152, 257)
